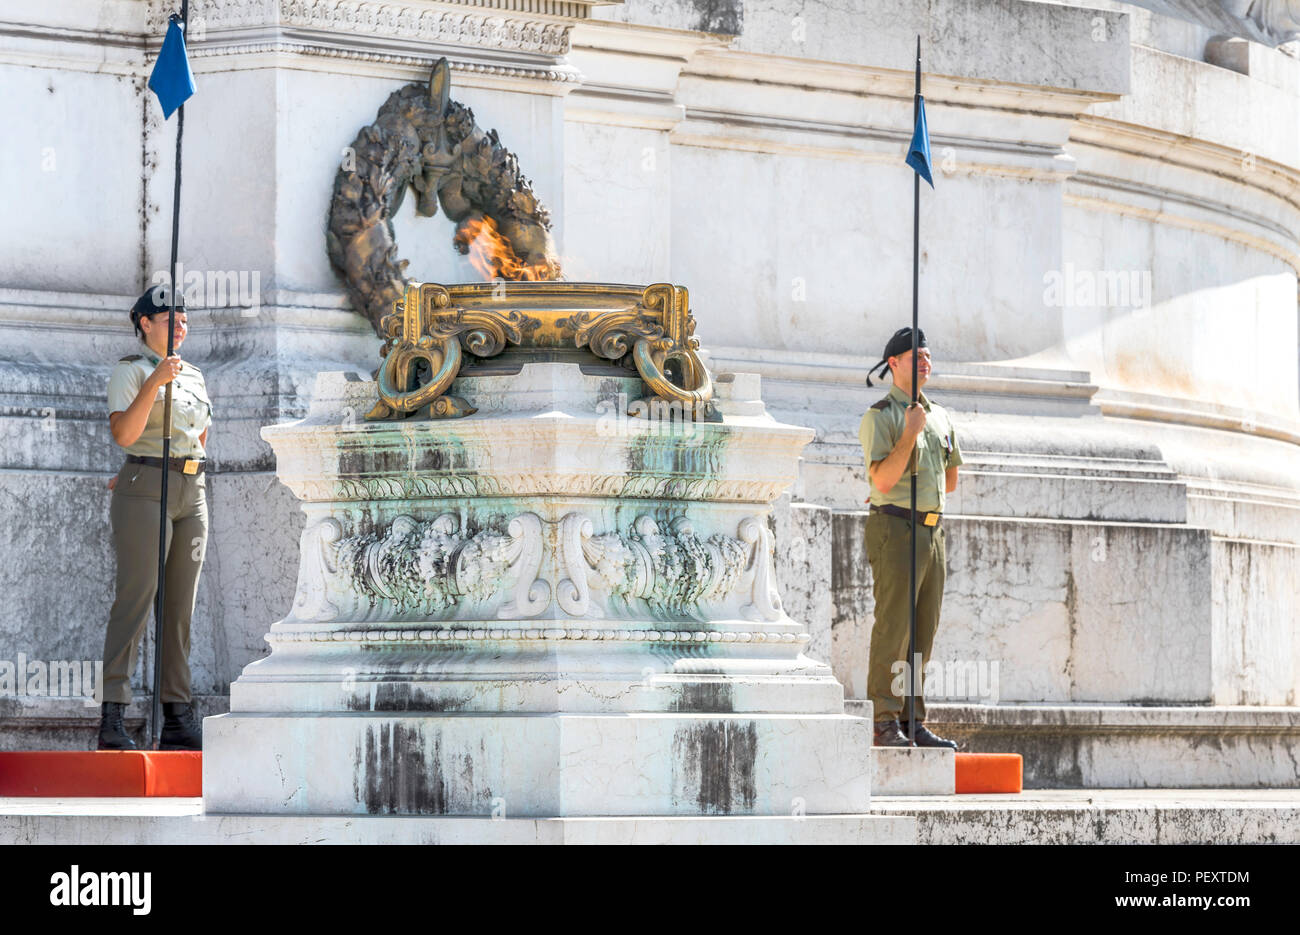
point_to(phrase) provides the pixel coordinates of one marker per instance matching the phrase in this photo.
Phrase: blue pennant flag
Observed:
(918, 155)
(171, 79)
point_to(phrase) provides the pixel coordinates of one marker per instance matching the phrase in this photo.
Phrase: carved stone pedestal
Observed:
(548, 609)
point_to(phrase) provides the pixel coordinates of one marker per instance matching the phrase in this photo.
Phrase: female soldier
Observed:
(135, 403)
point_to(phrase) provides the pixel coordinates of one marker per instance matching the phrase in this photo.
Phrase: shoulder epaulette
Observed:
(883, 404)
(129, 357)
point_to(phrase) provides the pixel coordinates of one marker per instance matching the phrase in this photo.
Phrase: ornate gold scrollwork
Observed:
(660, 329)
(679, 344)
(427, 326)
(442, 353)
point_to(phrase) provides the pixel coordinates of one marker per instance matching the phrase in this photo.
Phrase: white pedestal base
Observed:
(537, 766)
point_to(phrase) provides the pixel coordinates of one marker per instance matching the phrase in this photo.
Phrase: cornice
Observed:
(506, 39)
(412, 18)
(890, 83)
(224, 21)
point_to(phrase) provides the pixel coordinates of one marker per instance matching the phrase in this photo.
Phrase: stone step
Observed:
(182, 821)
(1058, 816)
(1104, 816)
(912, 771)
(1131, 746)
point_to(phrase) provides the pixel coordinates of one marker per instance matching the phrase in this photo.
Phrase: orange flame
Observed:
(491, 255)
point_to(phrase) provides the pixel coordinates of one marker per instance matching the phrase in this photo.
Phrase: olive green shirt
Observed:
(937, 446)
(191, 409)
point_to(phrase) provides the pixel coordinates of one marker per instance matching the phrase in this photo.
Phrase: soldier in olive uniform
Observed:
(135, 404)
(891, 431)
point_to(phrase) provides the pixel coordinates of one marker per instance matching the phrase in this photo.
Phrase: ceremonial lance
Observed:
(173, 83)
(918, 157)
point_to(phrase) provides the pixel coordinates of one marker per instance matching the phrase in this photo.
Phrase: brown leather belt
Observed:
(927, 519)
(184, 465)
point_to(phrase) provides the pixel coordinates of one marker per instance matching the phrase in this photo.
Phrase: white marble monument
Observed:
(1108, 282)
(545, 609)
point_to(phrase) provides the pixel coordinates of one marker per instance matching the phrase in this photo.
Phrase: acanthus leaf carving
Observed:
(413, 569)
(419, 569)
(675, 572)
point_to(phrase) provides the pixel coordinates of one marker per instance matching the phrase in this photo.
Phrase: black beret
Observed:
(152, 301)
(900, 343)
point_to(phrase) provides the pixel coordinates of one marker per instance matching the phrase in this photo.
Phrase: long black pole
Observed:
(155, 721)
(916, 245)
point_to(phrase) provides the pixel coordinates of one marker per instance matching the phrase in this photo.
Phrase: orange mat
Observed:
(988, 772)
(75, 773)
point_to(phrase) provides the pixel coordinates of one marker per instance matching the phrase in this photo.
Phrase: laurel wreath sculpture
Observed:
(424, 140)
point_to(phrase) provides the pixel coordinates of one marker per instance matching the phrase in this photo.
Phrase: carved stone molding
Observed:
(644, 485)
(671, 571)
(419, 568)
(412, 569)
(424, 25)
(445, 634)
(560, 74)
(507, 46)
(406, 22)
(1270, 22)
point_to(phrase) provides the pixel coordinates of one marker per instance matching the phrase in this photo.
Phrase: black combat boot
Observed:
(112, 732)
(182, 729)
(889, 734)
(926, 738)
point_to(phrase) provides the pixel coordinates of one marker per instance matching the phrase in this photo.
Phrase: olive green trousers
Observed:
(134, 515)
(889, 544)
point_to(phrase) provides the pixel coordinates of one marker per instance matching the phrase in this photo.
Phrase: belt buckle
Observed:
(191, 466)
(932, 519)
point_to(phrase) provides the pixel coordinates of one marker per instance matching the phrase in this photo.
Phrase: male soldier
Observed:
(891, 431)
